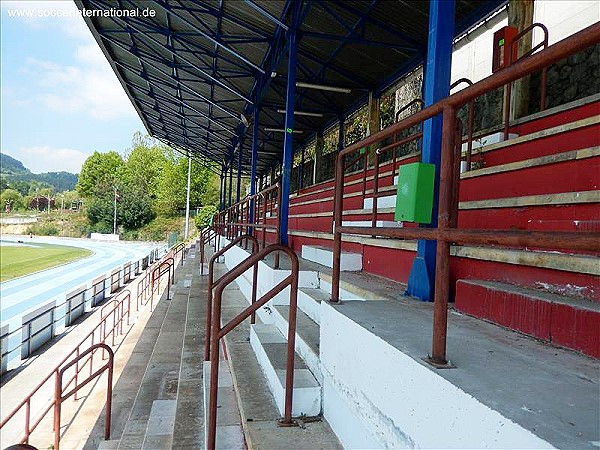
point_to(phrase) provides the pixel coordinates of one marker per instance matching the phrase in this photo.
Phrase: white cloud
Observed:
(41, 159)
(86, 84)
(89, 87)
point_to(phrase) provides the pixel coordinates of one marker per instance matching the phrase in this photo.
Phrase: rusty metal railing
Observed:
(470, 121)
(543, 44)
(218, 331)
(205, 237)
(235, 220)
(212, 283)
(60, 396)
(167, 266)
(446, 232)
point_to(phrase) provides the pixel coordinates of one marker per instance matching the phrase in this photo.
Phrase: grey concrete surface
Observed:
(554, 393)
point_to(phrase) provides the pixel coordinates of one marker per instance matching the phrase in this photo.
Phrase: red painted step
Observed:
(567, 176)
(558, 143)
(571, 115)
(565, 321)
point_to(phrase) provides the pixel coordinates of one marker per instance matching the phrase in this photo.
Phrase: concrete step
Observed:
(324, 256)
(153, 411)
(229, 423)
(309, 301)
(270, 347)
(258, 410)
(161, 425)
(307, 337)
(112, 444)
(562, 320)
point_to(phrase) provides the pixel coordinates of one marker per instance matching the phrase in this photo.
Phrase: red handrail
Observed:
(60, 396)
(205, 237)
(211, 283)
(542, 44)
(470, 122)
(219, 332)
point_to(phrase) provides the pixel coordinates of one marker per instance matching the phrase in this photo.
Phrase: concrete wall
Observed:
(378, 397)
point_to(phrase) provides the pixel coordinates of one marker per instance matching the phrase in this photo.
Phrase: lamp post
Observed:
(115, 214)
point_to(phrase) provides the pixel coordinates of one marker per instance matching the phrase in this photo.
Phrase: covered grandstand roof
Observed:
(195, 71)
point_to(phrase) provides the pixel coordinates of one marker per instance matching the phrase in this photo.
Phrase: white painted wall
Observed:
(472, 56)
(378, 397)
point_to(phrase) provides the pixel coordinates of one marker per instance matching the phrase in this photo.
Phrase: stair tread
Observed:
(317, 294)
(538, 294)
(275, 346)
(306, 328)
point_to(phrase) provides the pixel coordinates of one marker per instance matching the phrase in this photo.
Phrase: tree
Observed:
(134, 208)
(11, 199)
(145, 163)
(98, 171)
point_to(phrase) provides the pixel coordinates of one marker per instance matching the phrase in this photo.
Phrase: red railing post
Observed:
(442, 271)
(217, 332)
(211, 283)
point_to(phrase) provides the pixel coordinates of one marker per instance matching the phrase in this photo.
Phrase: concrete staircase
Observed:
(155, 402)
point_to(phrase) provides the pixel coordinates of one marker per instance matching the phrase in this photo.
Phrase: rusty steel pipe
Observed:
(217, 333)
(211, 284)
(442, 265)
(59, 396)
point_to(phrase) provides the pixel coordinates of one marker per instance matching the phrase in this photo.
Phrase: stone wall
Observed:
(572, 78)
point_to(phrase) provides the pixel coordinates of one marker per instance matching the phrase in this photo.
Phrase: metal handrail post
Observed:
(211, 283)
(217, 332)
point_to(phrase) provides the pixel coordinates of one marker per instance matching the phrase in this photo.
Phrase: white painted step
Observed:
(307, 338)
(490, 139)
(324, 256)
(368, 223)
(389, 201)
(270, 348)
(267, 276)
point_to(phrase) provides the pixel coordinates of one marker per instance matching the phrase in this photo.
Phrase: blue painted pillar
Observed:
(436, 87)
(239, 171)
(288, 150)
(230, 179)
(222, 188)
(254, 162)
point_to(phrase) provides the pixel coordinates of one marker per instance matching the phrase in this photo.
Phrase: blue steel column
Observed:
(222, 187)
(254, 161)
(239, 171)
(436, 87)
(230, 179)
(288, 151)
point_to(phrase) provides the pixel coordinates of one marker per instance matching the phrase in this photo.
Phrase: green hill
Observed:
(13, 172)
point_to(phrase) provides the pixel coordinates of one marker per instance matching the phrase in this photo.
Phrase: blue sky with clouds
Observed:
(60, 99)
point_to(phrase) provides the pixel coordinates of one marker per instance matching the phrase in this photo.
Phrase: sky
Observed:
(60, 99)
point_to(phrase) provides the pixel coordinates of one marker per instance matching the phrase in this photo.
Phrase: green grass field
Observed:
(16, 261)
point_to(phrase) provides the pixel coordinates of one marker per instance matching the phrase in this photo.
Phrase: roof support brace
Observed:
(288, 144)
(436, 87)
